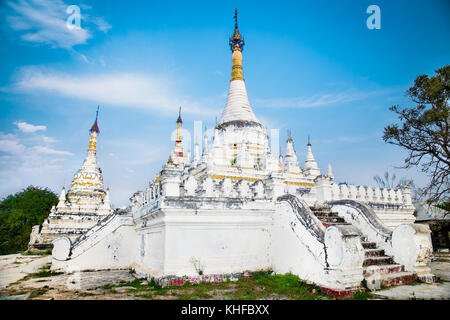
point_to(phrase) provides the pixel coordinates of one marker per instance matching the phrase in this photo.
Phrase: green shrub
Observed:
(19, 213)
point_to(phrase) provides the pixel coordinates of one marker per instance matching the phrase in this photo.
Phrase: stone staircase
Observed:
(379, 269)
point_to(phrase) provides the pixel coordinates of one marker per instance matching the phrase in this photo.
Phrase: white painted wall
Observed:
(290, 253)
(411, 245)
(217, 241)
(109, 246)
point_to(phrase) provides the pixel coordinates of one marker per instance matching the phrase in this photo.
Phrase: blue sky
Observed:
(310, 66)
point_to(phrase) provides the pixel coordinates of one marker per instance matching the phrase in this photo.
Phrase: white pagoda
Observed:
(236, 208)
(82, 207)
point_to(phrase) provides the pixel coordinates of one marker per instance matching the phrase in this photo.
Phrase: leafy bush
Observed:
(19, 212)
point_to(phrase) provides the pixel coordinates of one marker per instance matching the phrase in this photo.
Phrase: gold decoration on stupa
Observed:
(236, 46)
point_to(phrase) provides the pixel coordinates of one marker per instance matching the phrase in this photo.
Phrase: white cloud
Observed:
(127, 90)
(352, 139)
(102, 24)
(28, 128)
(30, 160)
(50, 151)
(44, 21)
(317, 100)
(10, 144)
(48, 139)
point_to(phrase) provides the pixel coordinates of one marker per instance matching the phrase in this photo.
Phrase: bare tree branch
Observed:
(424, 131)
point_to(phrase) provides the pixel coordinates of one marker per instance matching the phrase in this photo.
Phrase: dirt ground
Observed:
(29, 277)
(41, 283)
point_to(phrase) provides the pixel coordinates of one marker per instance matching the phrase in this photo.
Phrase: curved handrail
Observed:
(82, 245)
(368, 213)
(99, 225)
(305, 215)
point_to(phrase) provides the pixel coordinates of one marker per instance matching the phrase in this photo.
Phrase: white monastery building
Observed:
(236, 208)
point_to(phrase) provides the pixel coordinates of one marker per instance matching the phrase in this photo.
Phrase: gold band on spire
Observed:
(93, 142)
(179, 132)
(236, 71)
(179, 122)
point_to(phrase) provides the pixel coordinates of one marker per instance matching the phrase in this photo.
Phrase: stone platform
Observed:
(423, 291)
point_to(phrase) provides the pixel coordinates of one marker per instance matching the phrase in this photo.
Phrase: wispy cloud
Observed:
(352, 139)
(128, 90)
(44, 21)
(50, 151)
(39, 144)
(10, 144)
(29, 128)
(29, 159)
(101, 24)
(318, 100)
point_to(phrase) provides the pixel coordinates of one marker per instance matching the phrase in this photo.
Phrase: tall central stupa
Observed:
(238, 107)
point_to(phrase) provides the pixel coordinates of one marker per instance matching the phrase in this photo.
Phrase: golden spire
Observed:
(236, 45)
(289, 139)
(94, 132)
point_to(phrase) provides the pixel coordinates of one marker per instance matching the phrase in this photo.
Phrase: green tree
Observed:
(21, 211)
(424, 132)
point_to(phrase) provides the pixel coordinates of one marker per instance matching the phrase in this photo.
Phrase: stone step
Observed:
(320, 208)
(330, 219)
(389, 280)
(374, 252)
(383, 269)
(377, 261)
(369, 245)
(327, 224)
(326, 213)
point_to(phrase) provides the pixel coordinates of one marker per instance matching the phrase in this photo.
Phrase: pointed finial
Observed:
(179, 120)
(94, 127)
(289, 139)
(309, 141)
(236, 41)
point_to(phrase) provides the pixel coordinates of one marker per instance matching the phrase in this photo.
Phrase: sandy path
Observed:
(14, 267)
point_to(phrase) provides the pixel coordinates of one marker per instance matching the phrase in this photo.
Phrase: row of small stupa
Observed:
(87, 202)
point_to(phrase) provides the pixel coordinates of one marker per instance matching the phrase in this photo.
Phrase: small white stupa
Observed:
(84, 205)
